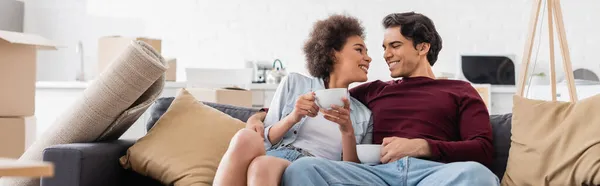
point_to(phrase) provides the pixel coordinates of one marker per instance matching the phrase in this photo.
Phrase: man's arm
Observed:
(360, 92)
(475, 130)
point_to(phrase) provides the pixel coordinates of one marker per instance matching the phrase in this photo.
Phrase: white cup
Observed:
(369, 153)
(326, 97)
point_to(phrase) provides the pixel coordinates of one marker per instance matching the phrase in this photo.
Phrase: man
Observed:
(433, 132)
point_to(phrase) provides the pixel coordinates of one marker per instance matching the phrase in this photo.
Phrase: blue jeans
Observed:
(404, 172)
(289, 153)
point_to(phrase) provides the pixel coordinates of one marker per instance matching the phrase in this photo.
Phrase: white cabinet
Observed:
(262, 94)
(268, 97)
(258, 97)
(502, 102)
(262, 98)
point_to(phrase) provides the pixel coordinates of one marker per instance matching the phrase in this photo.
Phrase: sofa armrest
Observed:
(86, 163)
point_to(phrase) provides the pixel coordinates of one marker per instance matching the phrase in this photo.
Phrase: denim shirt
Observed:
(290, 89)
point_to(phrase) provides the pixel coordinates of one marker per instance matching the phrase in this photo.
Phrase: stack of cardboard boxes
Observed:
(18, 53)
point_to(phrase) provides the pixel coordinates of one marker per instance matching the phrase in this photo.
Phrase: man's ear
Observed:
(423, 48)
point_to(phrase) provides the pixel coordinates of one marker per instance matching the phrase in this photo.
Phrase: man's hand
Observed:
(255, 123)
(395, 148)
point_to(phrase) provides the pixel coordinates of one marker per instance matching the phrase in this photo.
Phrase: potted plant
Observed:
(539, 78)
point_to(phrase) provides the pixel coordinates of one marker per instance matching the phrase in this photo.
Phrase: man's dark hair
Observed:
(327, 36)
(419, 29)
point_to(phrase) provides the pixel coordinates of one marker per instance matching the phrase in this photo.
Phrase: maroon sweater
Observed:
(449, 114)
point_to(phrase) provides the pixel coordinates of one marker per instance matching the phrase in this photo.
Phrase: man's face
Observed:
(399, 53)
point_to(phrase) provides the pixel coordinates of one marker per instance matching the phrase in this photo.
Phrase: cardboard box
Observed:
(16, 135)
(172, 70)
(236, 97)
(18, 55)
(110, 47)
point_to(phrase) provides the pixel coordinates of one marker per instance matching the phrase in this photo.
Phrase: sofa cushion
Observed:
(501, 126)
(554, 143)
(186, 144)
(162, 104)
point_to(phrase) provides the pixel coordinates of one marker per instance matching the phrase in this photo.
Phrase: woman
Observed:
(295, 126)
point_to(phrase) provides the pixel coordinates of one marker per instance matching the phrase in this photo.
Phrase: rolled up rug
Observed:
(107, 108)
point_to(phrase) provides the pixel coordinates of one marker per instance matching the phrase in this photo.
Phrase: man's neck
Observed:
(423, 70)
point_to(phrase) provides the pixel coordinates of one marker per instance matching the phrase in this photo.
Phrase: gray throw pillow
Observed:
(501, 127)
(162, 104)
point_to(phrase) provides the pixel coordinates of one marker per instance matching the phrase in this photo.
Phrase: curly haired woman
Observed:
(295, 127)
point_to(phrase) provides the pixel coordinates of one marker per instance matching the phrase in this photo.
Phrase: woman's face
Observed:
(352, 61)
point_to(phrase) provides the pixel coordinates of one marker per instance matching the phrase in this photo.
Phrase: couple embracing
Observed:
(431, 131)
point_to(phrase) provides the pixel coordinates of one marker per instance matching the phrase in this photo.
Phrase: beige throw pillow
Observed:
(186, 144)
(554, 143)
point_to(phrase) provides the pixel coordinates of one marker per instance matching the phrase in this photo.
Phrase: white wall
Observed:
(67, 22)
(226, 33)
(11, 15)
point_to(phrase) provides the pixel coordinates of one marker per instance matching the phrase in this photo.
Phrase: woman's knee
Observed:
(259, 164)
(263, 166)
(247, 141)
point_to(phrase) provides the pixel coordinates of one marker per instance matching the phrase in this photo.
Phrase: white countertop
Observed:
(83, 85)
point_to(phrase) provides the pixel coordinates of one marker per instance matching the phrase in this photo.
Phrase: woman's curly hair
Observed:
(327, 36)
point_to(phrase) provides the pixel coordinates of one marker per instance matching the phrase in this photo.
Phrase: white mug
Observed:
(324, 98)
(369, 153)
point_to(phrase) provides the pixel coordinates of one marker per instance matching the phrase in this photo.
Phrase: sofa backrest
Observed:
(501, 126)
(162, 104)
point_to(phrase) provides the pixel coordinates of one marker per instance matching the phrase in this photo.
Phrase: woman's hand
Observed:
(255, 123)
(341, 116)
(305, 106)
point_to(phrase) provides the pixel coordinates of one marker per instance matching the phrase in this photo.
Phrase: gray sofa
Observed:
(96, 164)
